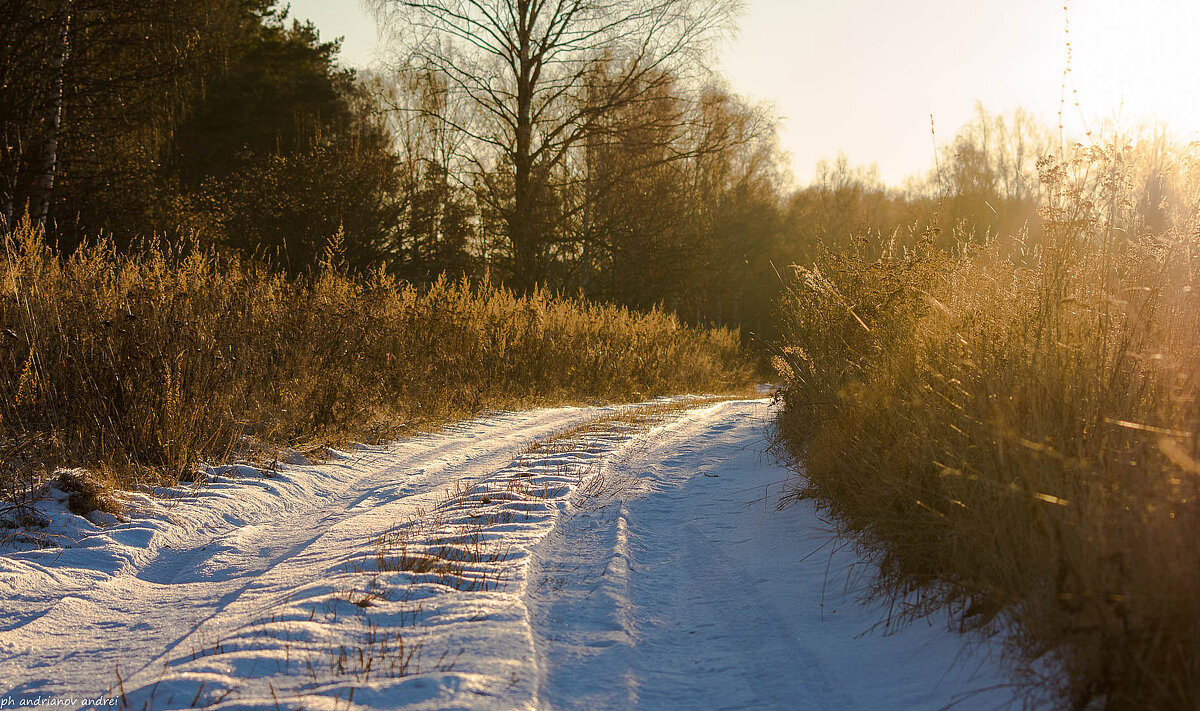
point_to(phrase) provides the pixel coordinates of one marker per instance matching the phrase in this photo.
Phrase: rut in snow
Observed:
(563, 558)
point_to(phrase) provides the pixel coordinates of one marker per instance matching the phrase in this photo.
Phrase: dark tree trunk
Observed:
(521, 223)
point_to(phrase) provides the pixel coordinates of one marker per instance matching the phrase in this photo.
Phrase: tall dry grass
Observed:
(1015, 434)
(143, 365)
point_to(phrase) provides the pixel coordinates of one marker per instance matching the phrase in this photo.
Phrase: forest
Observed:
(644, 180)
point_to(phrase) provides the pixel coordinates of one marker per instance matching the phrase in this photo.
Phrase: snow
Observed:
(558, 558)
(697, 592)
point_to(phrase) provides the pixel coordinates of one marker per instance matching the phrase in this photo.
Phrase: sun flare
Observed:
(1138, 62)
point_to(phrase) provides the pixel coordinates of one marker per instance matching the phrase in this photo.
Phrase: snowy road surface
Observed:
(562, 558)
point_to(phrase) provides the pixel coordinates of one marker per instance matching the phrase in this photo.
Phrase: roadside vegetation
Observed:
(232, 243)
(141, 365)
(1010, 424)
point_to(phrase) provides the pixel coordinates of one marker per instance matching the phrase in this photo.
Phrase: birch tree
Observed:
(48, 160)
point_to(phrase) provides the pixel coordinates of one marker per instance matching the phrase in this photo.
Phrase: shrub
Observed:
(85, 494)
(1017, 437)
(142, 365)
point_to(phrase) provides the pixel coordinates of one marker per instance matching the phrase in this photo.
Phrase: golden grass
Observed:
(142, 365)
(1016, 436)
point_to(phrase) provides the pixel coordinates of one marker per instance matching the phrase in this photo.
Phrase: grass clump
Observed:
(141, 365)
(85, 494)
(1015, 433)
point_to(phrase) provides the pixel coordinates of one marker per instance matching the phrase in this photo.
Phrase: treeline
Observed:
(218, 118)
(226, 123)
(601, 159)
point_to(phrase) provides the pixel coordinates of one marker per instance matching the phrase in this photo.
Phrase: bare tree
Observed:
(529, 67)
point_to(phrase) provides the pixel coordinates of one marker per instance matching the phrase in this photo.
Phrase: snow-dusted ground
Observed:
(610, 566)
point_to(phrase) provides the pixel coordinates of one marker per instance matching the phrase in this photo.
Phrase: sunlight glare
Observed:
(1137, 62)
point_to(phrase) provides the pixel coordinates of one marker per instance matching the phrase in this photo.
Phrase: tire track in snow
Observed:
(218, 562)
(690, 590)
(450, 577)
(663, 578)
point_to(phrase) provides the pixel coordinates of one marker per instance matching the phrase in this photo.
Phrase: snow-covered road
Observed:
(693, 591)
(571, 558)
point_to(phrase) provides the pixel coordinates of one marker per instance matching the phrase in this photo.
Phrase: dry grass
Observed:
(1017, 436)
(457, 556)
(140, 366)
(86, 494)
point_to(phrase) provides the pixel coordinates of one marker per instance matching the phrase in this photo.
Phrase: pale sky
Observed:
(862, 76)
